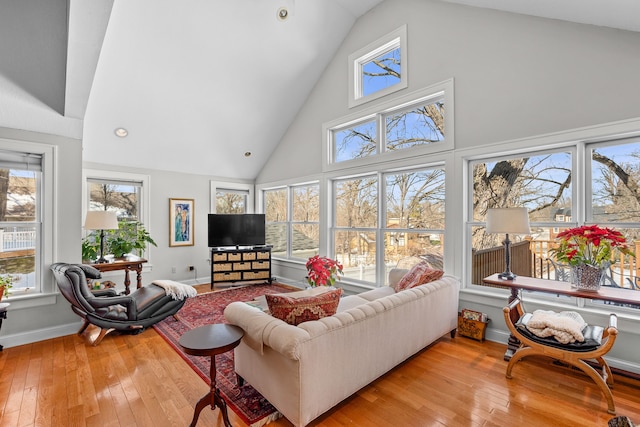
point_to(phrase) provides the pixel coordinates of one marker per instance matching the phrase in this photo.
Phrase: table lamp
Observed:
(101, 220)
(508, 220)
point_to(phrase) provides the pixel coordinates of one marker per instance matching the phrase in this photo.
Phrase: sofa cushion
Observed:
(420, 274)
(350, 302)
(321, 303)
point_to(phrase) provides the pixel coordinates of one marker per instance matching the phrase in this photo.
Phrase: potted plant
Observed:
(322, 271)
(588, 250)
(6, 283)
(129, 237)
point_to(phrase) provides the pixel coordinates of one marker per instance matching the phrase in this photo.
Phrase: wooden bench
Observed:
(573, 355)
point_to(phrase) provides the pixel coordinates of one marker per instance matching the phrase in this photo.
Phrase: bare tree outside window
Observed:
(231, 202)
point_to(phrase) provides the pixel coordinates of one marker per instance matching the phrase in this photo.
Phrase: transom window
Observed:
(379, 68)
(420, 124)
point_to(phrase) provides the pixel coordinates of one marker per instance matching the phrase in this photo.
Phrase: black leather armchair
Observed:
(108, 310)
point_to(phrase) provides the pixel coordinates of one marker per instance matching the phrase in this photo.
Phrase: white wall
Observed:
(33, 48)
(515, 76)
(163, 186)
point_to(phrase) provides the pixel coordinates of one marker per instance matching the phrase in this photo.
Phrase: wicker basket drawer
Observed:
(263, 254)
(234, 256)
(226, 266)
(242, 266)
(258, 265)
(253, 275)
(248, 256)
(224, 277)
(219, 257)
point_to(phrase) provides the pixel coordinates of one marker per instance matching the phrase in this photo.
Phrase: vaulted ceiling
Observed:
(199, 83)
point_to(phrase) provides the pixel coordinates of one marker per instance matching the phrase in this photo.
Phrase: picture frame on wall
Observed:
(181, 218)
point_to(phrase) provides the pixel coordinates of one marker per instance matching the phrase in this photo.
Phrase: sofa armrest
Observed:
(263, 329)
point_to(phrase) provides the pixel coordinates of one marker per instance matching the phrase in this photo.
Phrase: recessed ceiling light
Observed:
(247, 153)
(282, 13)
(121, 132)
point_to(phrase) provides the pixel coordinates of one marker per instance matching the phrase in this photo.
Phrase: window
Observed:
(541, 182)
(416, 124)
(231, 198)
(20, 219)
(379, 68)
(411, 204)
(121, 196)
(292, 220)
(231, 201)
(125, 193)
(559, 193)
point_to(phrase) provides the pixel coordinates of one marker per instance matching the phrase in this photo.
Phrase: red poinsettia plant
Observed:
(590, 244)
(323, 271)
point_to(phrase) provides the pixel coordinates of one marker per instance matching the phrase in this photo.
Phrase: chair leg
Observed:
(519, 354)
(83, 327)
(103, 332)
(600, 382)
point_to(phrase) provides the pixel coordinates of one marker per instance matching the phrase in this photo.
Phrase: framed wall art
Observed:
(181, 217)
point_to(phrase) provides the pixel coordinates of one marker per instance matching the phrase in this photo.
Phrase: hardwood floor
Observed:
(138, 380)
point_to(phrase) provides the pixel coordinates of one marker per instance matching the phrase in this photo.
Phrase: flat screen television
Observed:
(236, 230)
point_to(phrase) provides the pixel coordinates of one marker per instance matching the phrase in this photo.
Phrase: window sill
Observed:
(26, 300)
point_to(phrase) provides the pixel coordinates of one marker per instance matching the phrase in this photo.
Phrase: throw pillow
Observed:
(420, 274)
(302, 309)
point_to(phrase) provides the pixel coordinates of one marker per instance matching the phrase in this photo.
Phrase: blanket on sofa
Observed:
(566, 327)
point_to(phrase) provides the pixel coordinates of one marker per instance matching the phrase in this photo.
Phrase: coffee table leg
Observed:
(213, 398)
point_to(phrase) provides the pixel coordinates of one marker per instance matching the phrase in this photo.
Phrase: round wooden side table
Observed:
(210, 340)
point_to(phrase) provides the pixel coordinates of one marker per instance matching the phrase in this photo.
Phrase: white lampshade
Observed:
(101, 220)
(508, 220)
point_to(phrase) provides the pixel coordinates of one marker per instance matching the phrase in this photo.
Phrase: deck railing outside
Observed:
(532, 258)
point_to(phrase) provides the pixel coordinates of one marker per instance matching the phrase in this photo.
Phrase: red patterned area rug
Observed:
(208, 308)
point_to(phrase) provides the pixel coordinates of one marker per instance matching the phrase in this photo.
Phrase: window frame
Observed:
(578, 142)
(214, 186)
(381, 227)
(386, 43)
(443, 90)
(290, 222)
(46, 222)
(145, 196)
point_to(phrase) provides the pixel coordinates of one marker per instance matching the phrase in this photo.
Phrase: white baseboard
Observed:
(29, 337)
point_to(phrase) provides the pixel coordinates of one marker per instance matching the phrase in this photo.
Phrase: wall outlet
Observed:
(173, 269)
(191, 268)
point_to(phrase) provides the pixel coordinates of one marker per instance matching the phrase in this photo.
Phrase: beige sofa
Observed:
(307, 369)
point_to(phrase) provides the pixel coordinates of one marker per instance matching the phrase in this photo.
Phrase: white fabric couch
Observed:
(307, 369)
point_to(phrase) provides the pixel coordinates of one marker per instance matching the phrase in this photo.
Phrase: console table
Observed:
(128, 263)
(606, 293)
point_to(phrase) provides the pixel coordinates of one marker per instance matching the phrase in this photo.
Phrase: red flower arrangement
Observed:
(590, 245)
(323, 271)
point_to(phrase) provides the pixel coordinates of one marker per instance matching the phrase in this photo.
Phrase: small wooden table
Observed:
(606, 293)
(128, 263)
(210, 340)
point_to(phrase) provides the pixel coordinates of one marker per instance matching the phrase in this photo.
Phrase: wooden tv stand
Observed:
(240, 264)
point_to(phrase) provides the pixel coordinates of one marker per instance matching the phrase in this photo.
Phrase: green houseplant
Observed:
(130, 237)
(6, 283)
